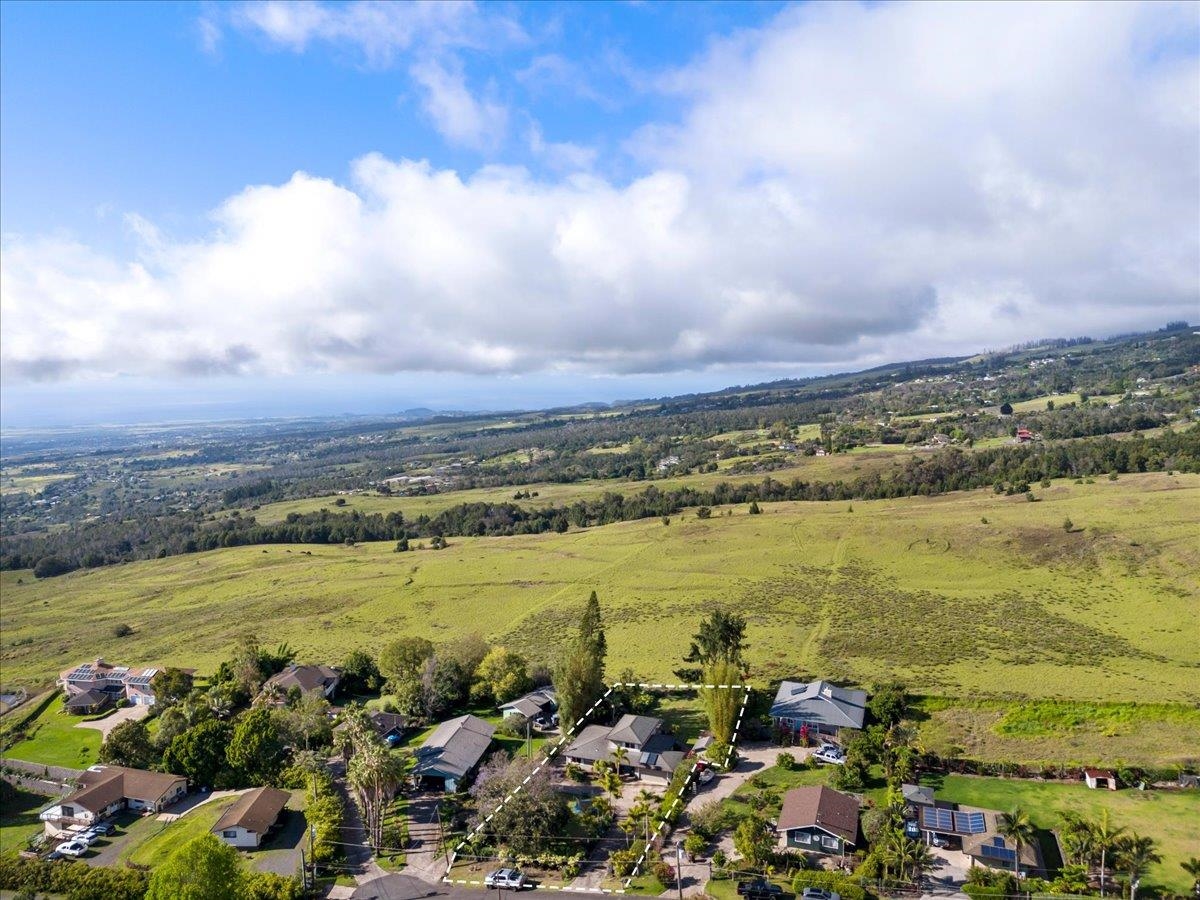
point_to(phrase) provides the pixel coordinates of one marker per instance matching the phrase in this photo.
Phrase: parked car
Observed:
(706, 775)
(832, 754)
(819, 894)
(758, 889)
(88, 837)
(513, 879)
(940, 842)
(53, 855)
(104, 828)
(73, 848)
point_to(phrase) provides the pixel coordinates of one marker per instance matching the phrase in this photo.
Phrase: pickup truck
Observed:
(759, 889)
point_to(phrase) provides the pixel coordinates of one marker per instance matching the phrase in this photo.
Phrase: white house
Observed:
(104, 790)
(251, 817)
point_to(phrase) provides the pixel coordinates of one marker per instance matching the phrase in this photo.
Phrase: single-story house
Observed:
(254, 814)
(977, 832)
(823, 708)
(119, 682)
(309, 680)
(819, 819)
(1097, 778)
(650, 753)
(539, 702)
(89, 701)
(104, 790)
(453, 751)
(1189, 781)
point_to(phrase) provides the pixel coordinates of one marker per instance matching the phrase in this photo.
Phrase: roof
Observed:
(634, 730)
(532, 704)
(1099, 773)
(989, 845)
(592, 744)
(307, 678)
(386, 722)
(255, 810)
(917, 793)
(101, 786)
(820, 703)
(822, 807)
(90, 698)
(455, 747)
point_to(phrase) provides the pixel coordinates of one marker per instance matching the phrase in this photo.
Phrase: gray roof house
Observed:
(453, 751)
(309, 680)
(650, 754)
(822, 706)
(539, 702)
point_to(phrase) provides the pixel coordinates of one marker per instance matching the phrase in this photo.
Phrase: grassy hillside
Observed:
(920, 588)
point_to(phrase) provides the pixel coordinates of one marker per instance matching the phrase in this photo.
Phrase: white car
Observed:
(73, 848)
(830, 753)
(505, 878)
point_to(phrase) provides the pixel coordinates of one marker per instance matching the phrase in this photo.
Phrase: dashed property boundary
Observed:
(664, 821)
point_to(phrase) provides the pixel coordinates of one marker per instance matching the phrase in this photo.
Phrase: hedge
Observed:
(847, 887)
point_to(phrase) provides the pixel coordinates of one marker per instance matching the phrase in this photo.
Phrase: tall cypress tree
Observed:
(579, 677)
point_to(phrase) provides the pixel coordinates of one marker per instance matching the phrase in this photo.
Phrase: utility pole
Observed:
(679, 866)
(528, 739)
(312, 854)
(304, 869)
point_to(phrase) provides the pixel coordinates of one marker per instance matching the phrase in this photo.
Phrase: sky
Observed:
(214, 210)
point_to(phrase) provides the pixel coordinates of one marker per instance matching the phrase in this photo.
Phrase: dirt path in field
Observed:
(808, 650)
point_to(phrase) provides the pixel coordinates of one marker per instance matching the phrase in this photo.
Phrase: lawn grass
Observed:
(773, 782)
(53, 740)
(150, 841)
(921, 589)
(19, 820)
(1169, 817)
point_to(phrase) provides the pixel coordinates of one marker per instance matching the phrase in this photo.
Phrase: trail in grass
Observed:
(810, 649)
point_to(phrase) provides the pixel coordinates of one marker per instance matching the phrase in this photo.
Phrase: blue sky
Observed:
(264, 208)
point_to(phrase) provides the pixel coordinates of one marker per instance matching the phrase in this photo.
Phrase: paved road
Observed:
(108, 723)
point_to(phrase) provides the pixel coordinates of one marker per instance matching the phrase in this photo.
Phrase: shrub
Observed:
(833, 881)
(702, 513)
(50, 566)
(785, 761)
(121, 630)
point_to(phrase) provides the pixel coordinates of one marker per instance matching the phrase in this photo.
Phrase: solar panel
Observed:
(1003, 854)
(969, 823)
(937, 819)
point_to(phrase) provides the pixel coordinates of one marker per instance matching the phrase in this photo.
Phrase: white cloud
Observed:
(560, 156)
(457, 114)
(846, 185)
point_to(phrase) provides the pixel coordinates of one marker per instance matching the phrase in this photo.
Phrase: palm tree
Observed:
(612, 784)
(375, 772)
(1137, 855)
(1016, 827)
(1078, 838)
(619, 756)
(1192, 867)
(1105, 837)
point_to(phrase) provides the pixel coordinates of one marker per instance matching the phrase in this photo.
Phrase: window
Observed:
(229, 833)
(801, 837)
(831, 843)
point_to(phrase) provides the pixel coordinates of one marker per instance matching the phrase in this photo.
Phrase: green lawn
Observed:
(19, 820)
(922, 589)
(53, 739)
(150, 841)
(1170, 817)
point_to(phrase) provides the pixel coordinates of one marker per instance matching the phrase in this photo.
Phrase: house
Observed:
(307, 679)
(253, 815)
(818, 706)
(940, 440)
(667, 462)
(89, 701)
(104, 790)
(1024, 435)
(389, 726)
(119, 682)
(539, 702)
(650, 754)
(917, 795)
(1096, 778)
(976, 832)
(452, 752)
(819, 819)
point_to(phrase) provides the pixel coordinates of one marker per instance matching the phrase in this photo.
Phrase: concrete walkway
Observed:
(109, 722)
(191, 801)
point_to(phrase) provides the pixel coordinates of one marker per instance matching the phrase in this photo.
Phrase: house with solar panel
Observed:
(817, 709)
(651, 754)
(976, 832)
(96, 685)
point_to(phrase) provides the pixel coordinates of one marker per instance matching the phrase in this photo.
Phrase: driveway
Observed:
(281, 851)
(109, 722)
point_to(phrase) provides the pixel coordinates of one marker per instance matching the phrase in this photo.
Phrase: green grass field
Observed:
(19, 820)
(1169, 817)
(53, 739)
(150, 841)
(917, 588)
